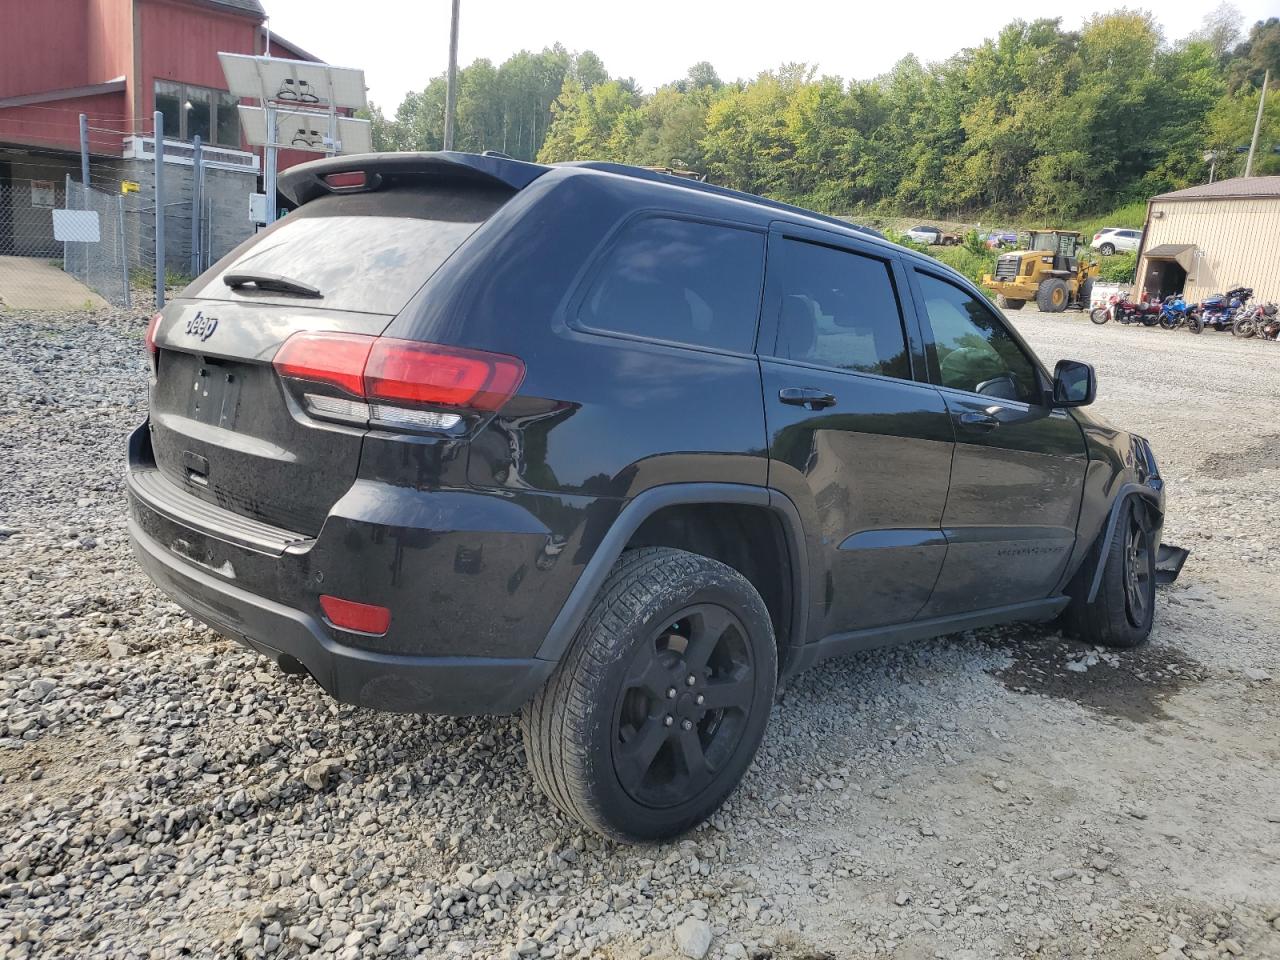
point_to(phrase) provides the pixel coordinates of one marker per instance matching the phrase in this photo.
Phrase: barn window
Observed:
(191, 111)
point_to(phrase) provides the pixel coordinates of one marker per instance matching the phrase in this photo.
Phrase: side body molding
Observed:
(575, 608)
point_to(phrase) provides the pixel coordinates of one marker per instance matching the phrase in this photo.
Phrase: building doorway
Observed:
(1164, 278)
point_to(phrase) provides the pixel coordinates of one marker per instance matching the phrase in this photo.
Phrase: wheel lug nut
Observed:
(690, 680)
(668, 720)
(671, 693)
(686, 724)
(699, 699)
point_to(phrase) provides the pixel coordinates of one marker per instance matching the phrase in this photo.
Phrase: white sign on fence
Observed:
(43, 194)
(76, 226)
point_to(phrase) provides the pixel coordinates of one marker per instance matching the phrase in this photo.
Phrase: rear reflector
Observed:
(350, 615)
(397, 374)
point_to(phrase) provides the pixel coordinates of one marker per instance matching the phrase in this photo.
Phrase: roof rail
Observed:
(644, 173)
(304, 182)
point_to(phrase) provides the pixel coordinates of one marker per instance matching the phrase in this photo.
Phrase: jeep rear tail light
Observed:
(406, 384)
(151, 334)
(424, 373)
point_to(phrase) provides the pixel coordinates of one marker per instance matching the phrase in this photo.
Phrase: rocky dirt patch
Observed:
(164, 793)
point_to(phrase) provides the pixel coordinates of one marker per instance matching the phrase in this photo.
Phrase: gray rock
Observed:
(693, 938)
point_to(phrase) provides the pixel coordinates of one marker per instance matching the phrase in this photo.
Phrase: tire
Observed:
(626, 674)
(1107, 249)
(1169, 322)
(1122, 612)
(1053, 295)
(1099, 315)
(1243, 327)
(1004, 303)
(1085, 296)
(1195, 324)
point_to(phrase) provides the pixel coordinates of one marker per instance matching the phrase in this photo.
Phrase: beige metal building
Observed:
(1210, 238)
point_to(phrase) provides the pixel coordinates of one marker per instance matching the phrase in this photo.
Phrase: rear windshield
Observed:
(365, 252)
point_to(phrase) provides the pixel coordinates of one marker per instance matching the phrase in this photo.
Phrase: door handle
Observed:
(982, 422)
(808, 397)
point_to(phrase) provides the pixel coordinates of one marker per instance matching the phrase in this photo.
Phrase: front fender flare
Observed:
(1150, 495)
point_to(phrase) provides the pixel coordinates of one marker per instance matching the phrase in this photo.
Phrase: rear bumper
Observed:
(443, 685)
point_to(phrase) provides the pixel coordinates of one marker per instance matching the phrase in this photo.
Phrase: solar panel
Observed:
(298, 83)
(305, 130)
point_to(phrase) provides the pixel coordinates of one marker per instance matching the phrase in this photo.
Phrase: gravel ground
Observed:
(1000, 794)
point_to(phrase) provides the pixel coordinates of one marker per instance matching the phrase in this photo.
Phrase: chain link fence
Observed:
(96, 248)
(50, 227)
(55, 230)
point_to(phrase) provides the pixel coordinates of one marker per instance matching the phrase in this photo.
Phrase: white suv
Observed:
(1110, 239)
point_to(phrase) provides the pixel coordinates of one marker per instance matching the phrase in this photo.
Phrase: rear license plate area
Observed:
(215, 394)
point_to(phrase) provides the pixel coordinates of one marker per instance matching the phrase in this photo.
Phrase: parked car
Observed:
(467, 435)
(929, 235)
(999, 240)
(1109, 240)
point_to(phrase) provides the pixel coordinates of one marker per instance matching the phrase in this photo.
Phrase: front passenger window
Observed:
(975, 352)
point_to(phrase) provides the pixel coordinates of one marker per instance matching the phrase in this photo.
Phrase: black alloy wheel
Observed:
(1137, 572)
(683, 707)
(657, 708)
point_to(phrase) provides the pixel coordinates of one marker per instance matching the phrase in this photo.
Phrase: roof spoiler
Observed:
(305, 182)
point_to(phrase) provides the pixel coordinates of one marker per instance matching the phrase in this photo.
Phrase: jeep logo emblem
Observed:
(202, 326)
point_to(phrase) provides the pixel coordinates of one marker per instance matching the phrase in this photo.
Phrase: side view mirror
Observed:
(1074, 384)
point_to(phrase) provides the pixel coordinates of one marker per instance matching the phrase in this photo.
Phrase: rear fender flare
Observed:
(575, 609)
(1131, 489)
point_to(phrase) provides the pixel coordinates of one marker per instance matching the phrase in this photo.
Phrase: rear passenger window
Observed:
(679, 280)
(838, 309)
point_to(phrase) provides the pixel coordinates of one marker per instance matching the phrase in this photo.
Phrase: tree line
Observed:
(1039, 120)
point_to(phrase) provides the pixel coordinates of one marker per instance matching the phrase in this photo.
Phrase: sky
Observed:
(401, 44)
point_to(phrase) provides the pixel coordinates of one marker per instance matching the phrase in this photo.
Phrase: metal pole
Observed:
(269, 176)
(67, 249)
(84, 149)
(197, 204)
(451, 87)
(1257, 124)
(159, 132)
(124, 252)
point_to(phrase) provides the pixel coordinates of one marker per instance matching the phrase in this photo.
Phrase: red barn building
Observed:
(118, 61)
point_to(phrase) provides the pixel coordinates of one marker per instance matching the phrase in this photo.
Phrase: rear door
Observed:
(223, 428)
(1019, 466)
(857, 439)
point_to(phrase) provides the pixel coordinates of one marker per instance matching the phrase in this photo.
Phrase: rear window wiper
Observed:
(271, 281)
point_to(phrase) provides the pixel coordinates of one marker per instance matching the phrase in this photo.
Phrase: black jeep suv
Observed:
(617, 450)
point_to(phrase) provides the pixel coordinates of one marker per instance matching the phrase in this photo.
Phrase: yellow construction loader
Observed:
(1051, 271)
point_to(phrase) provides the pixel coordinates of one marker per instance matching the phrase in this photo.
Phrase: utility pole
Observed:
(1257, 124)
(451, 88)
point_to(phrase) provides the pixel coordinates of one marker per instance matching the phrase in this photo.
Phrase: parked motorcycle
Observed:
(1123, 310)
(1174, 311)
(1258, 321)
(1220, 310)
